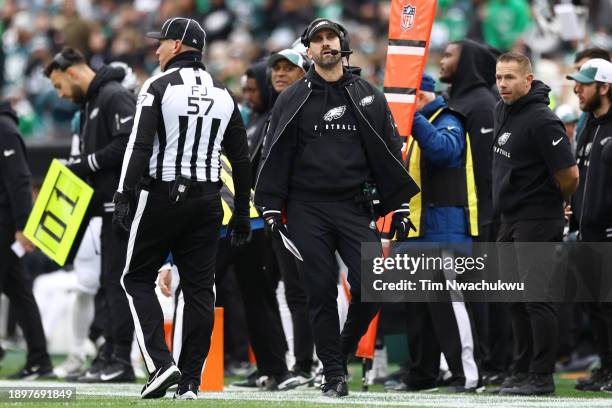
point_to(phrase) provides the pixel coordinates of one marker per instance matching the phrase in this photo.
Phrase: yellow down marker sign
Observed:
(58, 212)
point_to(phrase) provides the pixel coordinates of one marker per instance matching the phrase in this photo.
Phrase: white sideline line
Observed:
(132, 391)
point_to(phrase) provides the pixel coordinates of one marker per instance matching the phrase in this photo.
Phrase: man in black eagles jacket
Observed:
(107, 116)
(329, 134)
(534, 171)
(592, 202)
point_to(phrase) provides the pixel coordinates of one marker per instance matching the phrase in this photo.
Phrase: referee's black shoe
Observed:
(186, 392)
(162, 379)
(336, 387)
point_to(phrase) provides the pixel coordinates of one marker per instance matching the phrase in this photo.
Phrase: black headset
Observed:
(345, 48)
(62, 62)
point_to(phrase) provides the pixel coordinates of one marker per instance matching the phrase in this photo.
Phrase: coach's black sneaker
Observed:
(92, 374)
(249, 382)
(186, 392)
(336, 387)
(403, 387)
(538, 384)
(514, 380)
(594, 382)
(118, 371)
(34, 372)
(283, 382)
(458, 387)
(494, 378)
(304, 377)
(162, 379)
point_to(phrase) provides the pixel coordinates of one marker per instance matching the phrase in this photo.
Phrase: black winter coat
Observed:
(377, 129)
(15, 177)
(107, 116)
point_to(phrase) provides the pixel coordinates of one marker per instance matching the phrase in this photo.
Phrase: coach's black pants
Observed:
(534, 324)
(436, 327)
(121, 326)
(589, 264)
(257, 288)
(16, 285)
(319, 229)
(303, 343)
(492, 319)
(190, 230)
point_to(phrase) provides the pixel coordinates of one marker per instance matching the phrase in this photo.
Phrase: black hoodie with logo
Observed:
(472, 95)
(15, 177)
(330, 160)
(107, 116)
(592, 202)
(319, 155)
(530, 146)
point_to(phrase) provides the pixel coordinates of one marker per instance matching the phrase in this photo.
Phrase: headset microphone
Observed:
(344, 53)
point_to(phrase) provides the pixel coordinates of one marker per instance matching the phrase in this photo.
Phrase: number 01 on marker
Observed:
(58, 212)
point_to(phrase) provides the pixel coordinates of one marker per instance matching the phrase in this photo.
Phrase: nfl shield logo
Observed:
(408, 13)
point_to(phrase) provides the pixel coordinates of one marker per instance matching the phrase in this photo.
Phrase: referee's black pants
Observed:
(534, 324)
(16, 285)
(190, 230)
(319, 229)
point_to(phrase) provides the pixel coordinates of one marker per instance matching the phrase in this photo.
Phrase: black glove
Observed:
(79, 166)
(122, 216)
(273, 221)
(401, 224)
(239, 230)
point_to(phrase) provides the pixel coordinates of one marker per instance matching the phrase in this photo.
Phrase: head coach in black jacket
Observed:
(329, 134)
(107, 116)
(15, 206)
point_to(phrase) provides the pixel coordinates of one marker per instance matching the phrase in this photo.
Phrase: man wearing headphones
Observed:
(106, 119)
(330, 134)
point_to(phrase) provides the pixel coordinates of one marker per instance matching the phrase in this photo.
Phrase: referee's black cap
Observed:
(189, 31)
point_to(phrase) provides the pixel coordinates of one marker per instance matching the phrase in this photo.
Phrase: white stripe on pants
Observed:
(142, 202)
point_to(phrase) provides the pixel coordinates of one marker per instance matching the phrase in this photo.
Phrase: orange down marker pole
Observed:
(410, 23)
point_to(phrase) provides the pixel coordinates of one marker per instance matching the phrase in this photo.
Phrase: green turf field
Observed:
(127, 395)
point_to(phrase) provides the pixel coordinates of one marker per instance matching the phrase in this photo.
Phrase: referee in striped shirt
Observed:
(168, 199)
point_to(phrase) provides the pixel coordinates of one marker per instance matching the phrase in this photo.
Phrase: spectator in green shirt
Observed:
(505, 21)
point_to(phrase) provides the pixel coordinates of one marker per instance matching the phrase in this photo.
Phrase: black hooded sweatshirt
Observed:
(592, 202)
(257, 124)
(330, 160)
(530, 147)
(107, 116)
(472, 95)
(15, 177)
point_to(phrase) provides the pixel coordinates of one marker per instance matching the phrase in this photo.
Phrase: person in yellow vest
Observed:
(439, 160)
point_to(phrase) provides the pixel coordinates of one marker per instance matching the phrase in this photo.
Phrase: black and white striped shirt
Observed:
(184, 118)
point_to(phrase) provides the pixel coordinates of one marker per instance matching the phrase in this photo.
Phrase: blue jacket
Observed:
(442, 144)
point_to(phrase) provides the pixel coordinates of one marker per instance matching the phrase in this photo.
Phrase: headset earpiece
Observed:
(304, 37)
(344, 39)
